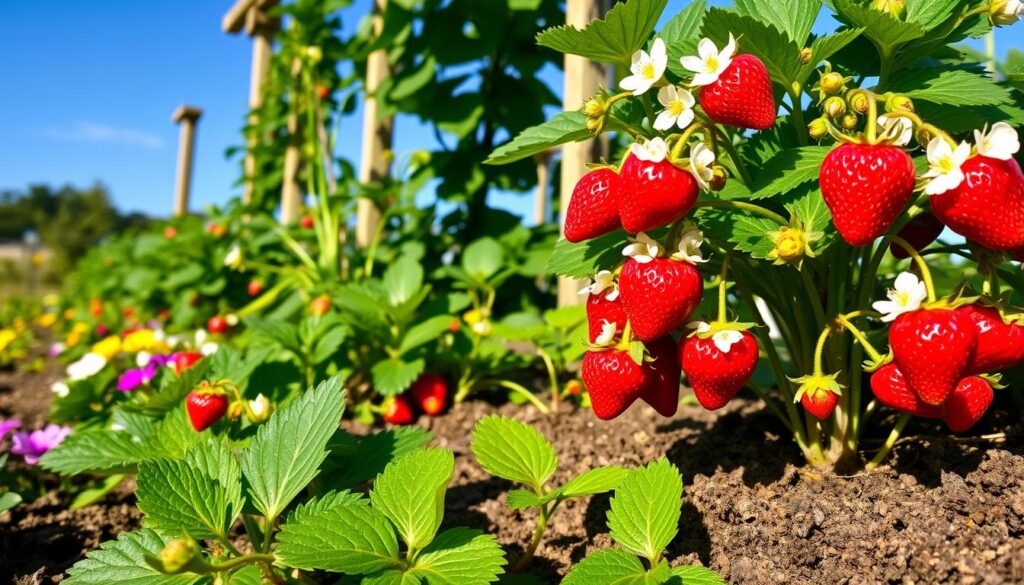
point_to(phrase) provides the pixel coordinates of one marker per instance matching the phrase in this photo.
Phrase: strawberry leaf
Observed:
(793, 17)
(952, 87)
(394, 375)
(522, 499)
(681, 35)
(886, 32)
(411, 491)
(788, 170)
(594, 481)
(585, 259)
(780, 55)
(611, 567)
(514, 451)
(462, 556)
(613, 40)
(694, 576)
(645, 509)
(354, 460)
(564, 127)
(122, 561)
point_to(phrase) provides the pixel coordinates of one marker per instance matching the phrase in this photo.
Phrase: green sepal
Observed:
(828, 382)
(871, 366)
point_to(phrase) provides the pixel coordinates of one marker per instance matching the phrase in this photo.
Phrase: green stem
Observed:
(744, 206)
(249, 559)
(552, 377)
(844, 320)
(538, 534)
(730, 148)
(894, 435)
(798, 117)
(812, 291)
(722, 287)
(519, 389)
(926, 274)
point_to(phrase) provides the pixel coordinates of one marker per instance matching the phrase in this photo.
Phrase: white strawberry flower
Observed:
(654, 150)
(642, 248)
(603, 281)
(61, 389)
(689, 247)
(944, 165)
(678, 104)
(607, 333)
(647, 69)
(1001, 142)
(898, 131)
(233, 259)
(142, 359)
(1008, 12)
(701, 159)
(709, 64)
(906, 296)
(87, 366)
(723, 339)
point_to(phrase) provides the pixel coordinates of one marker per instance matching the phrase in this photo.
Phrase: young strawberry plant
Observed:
(643, 520)
(515, 451)
(796, 172)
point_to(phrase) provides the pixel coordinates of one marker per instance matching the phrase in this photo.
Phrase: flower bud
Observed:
(483, 328)
(596, 110)
(832, 83)
(805, 55)
(719, 177)
(859, 102)
(259, 409)
(834, 106)
(899, 103)
(818, 128)
(1005, 12)
(235, 410)
(179, 556)
(893, 8)
(314, 54)
(792, 245)
(849, 121)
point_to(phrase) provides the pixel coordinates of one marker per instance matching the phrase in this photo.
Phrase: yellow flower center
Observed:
(712, 64)
(677, 108)
(648, 70)
(946, 165)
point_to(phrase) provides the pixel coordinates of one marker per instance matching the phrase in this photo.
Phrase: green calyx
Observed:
(719, 326)
(815, 384)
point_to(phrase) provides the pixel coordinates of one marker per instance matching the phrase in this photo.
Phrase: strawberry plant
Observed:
(643, 520)
(515, 451)
(796, 172)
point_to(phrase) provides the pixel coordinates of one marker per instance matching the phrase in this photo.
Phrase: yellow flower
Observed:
(46, 320)
(69, 314)
(108, 348)
(6, 337)
(80, 327)
(73, 339)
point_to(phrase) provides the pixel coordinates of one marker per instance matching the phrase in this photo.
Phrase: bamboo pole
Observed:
(186, 117)
(540, 199)
(583, 79)
(377, 134)
(291, 193)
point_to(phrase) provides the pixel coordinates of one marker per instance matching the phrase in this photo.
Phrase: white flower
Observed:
(726, 338)
(689, 247)
(232, 319)
(259, 409)
(699, 326)
(646, 69)
(603, 280)
(87, 366)
(209, 348)
(642, 248)
(906, 296)
(678, 104)
(1008, 12)
(607, 333)
(944, 166)
(654, 150)
(60, 389)
(233, 258)
(710, 64)
(701, 159)
(1000, 142)
(117, 427)
(898, 131)
(142, 359)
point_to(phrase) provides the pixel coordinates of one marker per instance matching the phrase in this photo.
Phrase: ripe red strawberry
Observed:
(919, 233)
(323, 92)
(866, 188)
(659, 296)
(662, 394)
(594, 208)
(430, 393)
(255, 288)
(320, 305)
(184, 360)
(170, 233)
(742, 96)
(717, 376)
(614, 381)
(968, 403)
(397, 410)
(600, 309)
(1000, 346)
(205, 408)
(306, 222)
(934, 349)
(890, 388)
(820, 402)
(654, 194)
(988, 207)
(217, 324)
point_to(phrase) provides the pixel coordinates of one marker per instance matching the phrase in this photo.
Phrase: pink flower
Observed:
(7, 426)
(33, 445)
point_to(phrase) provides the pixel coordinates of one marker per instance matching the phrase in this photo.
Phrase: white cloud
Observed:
(84, 131)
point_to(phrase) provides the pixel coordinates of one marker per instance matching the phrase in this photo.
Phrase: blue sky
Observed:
(87, 90)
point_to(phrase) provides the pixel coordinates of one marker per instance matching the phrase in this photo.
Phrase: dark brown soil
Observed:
(945, 511)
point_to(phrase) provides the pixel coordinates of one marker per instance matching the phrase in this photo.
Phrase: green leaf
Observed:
(513, 450)
(824, 47)
(793, 17)
(780, 55)
(424, 332)
(644, 514)
(607, 567)
(402, 279)
(788, 170)
(747, 232)
(953, 87)
(594, 481)
(929, 13)
(886, 31)
(522, 499)
(90, 496)
(411, 491)
(694, 576)
(94, 451)
(354, 460)
(460, 556)
(348, 538)
(122, 561)
(585, 259)
(391, 577)
(681, 35)
(564, 127)
(201, 494)
(288, 450)
(807, 204)
(483, 258)
(9, 500)
(394, 376)
(173, 436)
(624, 30)
(331, 499)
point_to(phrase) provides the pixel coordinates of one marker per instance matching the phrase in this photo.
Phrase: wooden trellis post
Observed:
(540, 199)
(377, 134)
(583, 78)
(186, 117)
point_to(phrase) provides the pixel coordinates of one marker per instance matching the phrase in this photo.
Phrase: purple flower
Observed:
(132, 379)
(33, 445)
(7, 426)
(159, 360)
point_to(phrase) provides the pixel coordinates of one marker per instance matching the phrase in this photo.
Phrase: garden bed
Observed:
(945, 511)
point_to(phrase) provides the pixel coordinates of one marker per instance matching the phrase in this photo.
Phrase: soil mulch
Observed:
(944, 511)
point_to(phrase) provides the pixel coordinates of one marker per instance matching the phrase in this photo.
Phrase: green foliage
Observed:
(123, 561)
(613, 40)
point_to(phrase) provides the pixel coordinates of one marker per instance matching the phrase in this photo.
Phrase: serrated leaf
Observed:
(411, 492)
(780, 55)
(644, 514)
(788, 170)
(793, 17)
(354, 460)
(694, 576)
(94, 451)
(595, 481)
(331, 499)
(965, 119)
(424, 332)
(350, 538)
(394, 376)
(402, 279)
(288, 450)
(747, 232)
(607, 567)
(681, 35)
(200, 494)
(460, 556)
(886, 31)
(823, 47)
(173, 436)
(563, 128)
(929, 13)
(807, 204)
(514, 451)
(585, 259)
(953, 87)
(122, 561)
(522, 499)
(391, 577)
(613, 40)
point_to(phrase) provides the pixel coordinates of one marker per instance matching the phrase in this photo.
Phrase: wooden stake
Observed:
(375, 163)
(540, 199)
(186, 117)
(291, 193)
(583, 79)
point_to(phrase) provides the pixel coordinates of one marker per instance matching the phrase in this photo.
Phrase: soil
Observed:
(945, 510)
